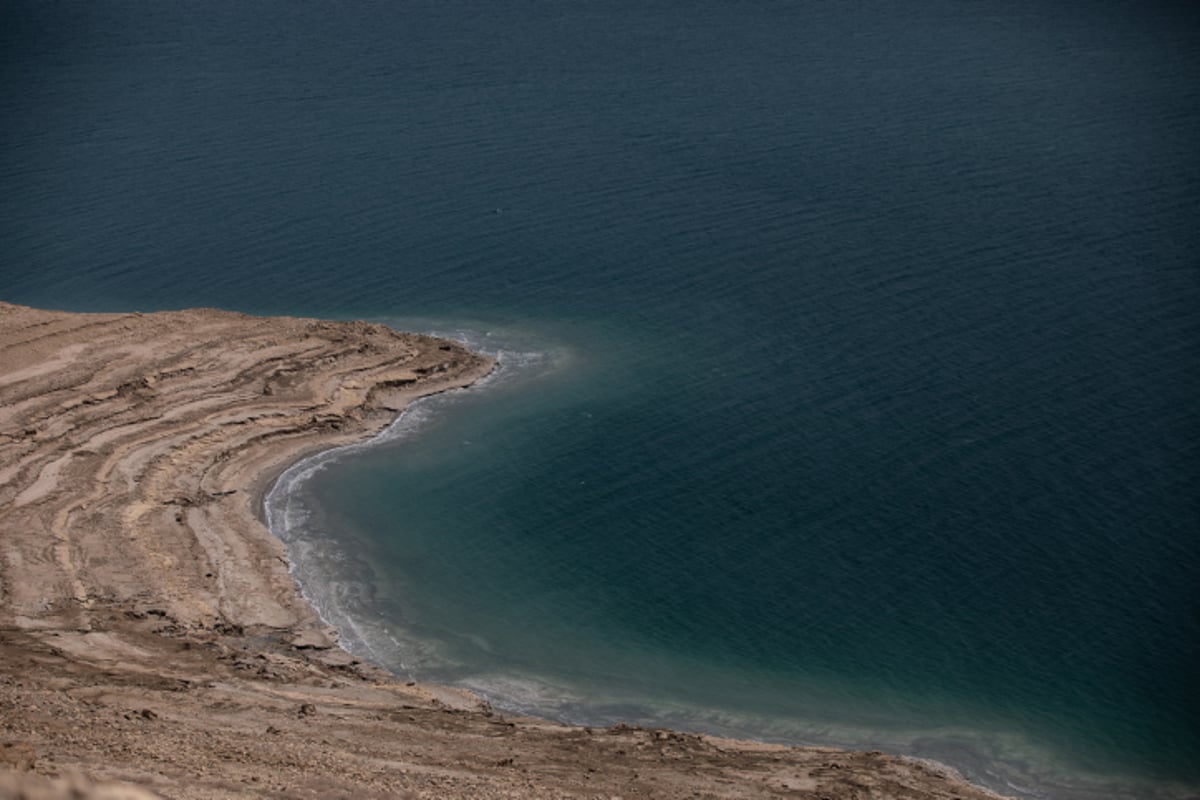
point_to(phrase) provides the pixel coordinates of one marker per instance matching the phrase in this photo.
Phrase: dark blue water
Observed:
(849, 350)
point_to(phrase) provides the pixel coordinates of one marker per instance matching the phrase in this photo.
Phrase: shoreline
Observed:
(137, 568)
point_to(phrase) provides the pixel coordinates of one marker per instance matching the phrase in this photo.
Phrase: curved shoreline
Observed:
(183, 419)
(135, 570)
(285, 487)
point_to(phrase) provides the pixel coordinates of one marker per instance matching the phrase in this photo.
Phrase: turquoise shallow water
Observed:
(849, 352)
(507, 540)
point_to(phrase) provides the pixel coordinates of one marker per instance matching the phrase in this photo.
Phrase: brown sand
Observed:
(150, 632)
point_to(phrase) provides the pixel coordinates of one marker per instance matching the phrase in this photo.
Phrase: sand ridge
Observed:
(133, 445)
(150, 631)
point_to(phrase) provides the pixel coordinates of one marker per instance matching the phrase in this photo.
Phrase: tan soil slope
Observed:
(150, 632)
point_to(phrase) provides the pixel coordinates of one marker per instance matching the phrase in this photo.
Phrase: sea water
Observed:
(847, 351)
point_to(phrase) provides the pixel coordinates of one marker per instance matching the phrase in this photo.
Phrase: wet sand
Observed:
(150, 632)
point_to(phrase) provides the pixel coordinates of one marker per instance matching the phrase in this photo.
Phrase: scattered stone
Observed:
(312, 639)
(337, 659)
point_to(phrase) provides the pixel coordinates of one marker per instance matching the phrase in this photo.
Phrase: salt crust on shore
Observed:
(150, 632)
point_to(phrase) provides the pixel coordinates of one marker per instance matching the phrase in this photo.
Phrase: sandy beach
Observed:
(150, 631)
